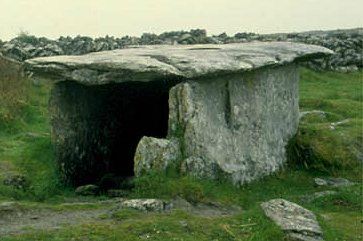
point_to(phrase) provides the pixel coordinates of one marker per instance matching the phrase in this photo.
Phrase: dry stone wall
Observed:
(347, 44)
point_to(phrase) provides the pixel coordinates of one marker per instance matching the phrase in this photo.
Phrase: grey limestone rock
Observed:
(87, 190)
(155, 154)
(321, 114)
(151, 205)
(150, 63)
(17, 181)
(235, 127)
(298, 223)
(333, 182)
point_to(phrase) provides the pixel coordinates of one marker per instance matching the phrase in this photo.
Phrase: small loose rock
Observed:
(332, 182)
(298, 223)
(17, 181)
(151, 205)
(87, 190)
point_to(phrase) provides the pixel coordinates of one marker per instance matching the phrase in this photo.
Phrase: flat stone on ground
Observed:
(333, 182)
(151, 205)
(87, 190)
(298, 223)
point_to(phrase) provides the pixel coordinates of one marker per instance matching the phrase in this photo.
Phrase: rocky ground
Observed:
(347, 44)
(20, 218)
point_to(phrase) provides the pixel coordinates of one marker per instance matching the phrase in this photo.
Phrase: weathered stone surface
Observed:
(155, 154)
(148, 63)
(321, 114)
(235, 127)
(333, 182)
(87, 190)
(151, 205)
(299, 223)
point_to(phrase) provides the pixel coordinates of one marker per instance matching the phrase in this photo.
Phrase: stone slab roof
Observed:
(163, 62)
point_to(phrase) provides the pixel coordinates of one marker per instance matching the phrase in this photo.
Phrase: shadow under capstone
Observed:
(96, 129)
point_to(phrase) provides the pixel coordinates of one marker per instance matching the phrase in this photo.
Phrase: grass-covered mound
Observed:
(328, 143)
(331, 141)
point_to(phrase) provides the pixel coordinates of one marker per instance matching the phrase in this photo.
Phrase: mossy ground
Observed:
(25, 148)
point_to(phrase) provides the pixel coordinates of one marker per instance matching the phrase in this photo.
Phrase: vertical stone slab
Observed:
(238, 126)
(156, 154)
(79, 140)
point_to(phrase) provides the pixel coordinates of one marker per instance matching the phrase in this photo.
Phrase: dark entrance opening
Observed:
(132, 111)
(108, 121)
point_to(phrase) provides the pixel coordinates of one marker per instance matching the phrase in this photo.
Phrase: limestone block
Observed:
(151, 205)
(235, 127)
(299, 223)
(155, 154)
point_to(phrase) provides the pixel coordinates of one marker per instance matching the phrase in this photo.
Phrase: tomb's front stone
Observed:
(235, 126)
(232, 109)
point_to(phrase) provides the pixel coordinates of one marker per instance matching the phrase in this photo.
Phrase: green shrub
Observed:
(13, 92)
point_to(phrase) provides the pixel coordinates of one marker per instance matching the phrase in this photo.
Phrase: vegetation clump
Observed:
(330, 136)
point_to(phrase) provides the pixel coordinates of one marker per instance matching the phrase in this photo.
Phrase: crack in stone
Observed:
(164, 60)
(227, 107)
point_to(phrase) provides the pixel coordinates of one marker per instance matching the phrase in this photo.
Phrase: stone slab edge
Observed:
(163, 62)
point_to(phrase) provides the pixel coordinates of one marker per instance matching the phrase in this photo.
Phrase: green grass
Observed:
(25, 148)
(250, 224)
(320, 151)
(321, 147)
(139, 226)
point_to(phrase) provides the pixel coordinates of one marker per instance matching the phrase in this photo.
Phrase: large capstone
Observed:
(212, 111)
